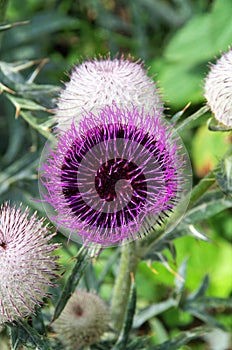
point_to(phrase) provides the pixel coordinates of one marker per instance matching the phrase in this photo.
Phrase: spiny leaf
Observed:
(211, 204)
(12, 25)
(22, 103)
(82, 261)
(212, 302)
(201, 290)
(152, 311)
(223, 174)
(182, 339)
(23, 334)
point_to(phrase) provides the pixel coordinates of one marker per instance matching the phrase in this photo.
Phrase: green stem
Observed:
(3, 8)
(192, 118)
(202, 187)
(120, 298)
(207, 181)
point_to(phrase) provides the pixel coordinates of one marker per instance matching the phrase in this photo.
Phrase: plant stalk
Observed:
(180, 127)
(204, 184)
(3, 8)
(120, 298)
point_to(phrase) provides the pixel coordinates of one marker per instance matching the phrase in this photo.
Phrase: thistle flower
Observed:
(96, 83)
(114, 177)
(83, 321)
(218, 89)
(26, 264)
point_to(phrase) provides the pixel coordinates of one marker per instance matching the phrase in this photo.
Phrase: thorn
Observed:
(152, 269)
(174, 273)
(17, 111)
(186, 107)
(177, 116)
(5, 88)
(132, 277)
(37, 70)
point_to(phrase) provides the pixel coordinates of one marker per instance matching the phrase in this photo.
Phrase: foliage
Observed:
(181, 290)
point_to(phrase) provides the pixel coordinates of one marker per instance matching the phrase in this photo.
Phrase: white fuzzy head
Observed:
(218, 89)
(27, 265)
(83, 321)
(96, 83)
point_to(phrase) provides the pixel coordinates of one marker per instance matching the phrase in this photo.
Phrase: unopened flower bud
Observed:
(218, 89)
(83, 321)
(27, 265)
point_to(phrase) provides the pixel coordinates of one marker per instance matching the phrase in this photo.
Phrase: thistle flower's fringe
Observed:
(80, 176)
(102, 81)
(27, 267)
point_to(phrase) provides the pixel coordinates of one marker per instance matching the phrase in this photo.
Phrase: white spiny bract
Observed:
(83, 321)
(218, 89)
(27, 263)
(99, 82)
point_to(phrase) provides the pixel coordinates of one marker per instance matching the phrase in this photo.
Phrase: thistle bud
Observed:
(27, 265)
(83, 321)
(218, 89)
(96, 83)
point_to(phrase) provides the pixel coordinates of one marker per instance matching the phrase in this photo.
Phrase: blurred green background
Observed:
(176, 39)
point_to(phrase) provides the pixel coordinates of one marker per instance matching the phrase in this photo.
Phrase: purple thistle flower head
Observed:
(99, 82)
(27, 265)
(117, 175)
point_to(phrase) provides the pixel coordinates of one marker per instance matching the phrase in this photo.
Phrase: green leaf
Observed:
(22, 103)
(23, 168)
(211, 203)
(184, 64)
(181, 82)
(12, 25)
(108, 265)
(200, 305)
(211, 302)
(43, 93)
(207, 148)
(204, 316)
(23, 334)
(182, 339)
(223, 174)
(139, 343)
(191, 119)
(180, 282)
(42, 128)
(41, 25)
(204, 36)
(153, 310)
(201, 289)
(73, 280)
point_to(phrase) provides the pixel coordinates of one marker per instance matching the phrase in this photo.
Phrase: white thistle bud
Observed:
(83, 321)
(218, 89)
(97, 83)
(27, 265)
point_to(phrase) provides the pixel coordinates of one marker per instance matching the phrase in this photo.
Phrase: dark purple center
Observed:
(111, 172)
(116, 180)
(3, 245)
